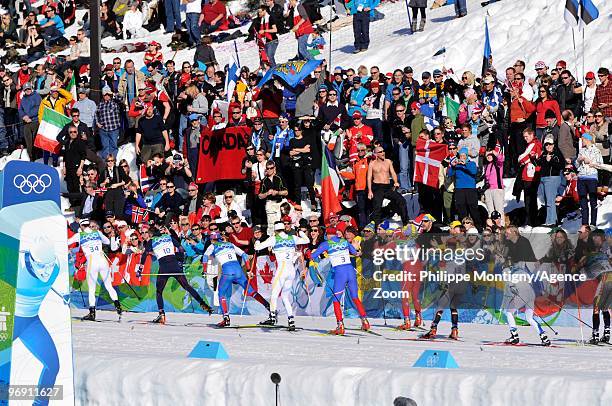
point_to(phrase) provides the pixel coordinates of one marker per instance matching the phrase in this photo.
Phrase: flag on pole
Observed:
(571, 12)
(139, 215)
(72, 89)
(233, 76)
(48, 130)
(588, 13)
(428, 160)
(452, 108)
(487, 56)
(431, 123)
(145, 181)
(330, 185)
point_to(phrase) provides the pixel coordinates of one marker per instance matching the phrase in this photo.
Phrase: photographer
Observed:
(466, 195)
(299, 152)
(179, 171)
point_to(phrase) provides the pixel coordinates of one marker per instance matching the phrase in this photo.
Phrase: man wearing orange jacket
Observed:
(360, 174)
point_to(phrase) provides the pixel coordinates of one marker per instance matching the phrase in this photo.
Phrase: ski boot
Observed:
(454, 335)
(339, 331)
(365, 324)
(595, 338)
(545, 340)
(271, 320)
(406, 325)
(291, 321)
(605, 338)
(91, 316)
(161, 318)
(418, 320)
(431, 334)
(225, 322)
(118, 307)
(207, 308)
(514, 337)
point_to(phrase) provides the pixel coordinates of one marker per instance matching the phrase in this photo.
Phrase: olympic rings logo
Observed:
(32, 183)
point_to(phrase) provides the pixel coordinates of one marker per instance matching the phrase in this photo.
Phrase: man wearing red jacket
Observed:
(358, 133)
(213, 17)
(302, 27)
(568, 201)
(530, 173)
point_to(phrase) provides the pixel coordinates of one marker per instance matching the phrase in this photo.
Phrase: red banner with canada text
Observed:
(221, 153)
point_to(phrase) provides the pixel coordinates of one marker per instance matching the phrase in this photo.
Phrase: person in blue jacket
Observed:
(466, 195)
(339, 251)
(357, 96)
(361, 12)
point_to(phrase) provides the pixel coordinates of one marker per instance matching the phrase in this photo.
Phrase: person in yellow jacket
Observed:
(57, 100)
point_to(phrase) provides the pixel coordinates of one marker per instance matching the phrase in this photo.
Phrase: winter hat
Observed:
(540, 65)
(107, 90)
(469, 92)
(562, 64)
(549, 140)
(495, 215)
(323, 87)
(472, 231)
(194, 117)
(463, 150)
(426, 75)
(369, 227)
(587, 136)
(408, 69)
(477, 110)
(550, 114)
(589, 75)
(84, 222)
(279, 226)
(356, 79)
(331, 231)
(437, 72)
(488, 79)
(27, 86)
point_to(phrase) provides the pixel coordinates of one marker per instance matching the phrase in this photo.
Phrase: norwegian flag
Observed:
(100, 191)
(428, 160)
(145, 181)
(139, 215)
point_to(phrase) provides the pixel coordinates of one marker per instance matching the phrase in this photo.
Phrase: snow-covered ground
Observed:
(132, 363)
(530, 30)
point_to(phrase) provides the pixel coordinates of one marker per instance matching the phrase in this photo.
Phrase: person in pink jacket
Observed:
(494, 181)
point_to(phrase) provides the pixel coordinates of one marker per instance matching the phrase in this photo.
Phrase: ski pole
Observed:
(246, 290)
(562, 309)
(534, 312)
(323, 282)
(123, 276)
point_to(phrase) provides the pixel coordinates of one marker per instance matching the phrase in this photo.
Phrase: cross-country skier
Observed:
(38, 270)
(91, 241)
(161, 243)
(453, 290)
(412, 279)
(339, 251)
(284, 247)
(517, 296)
(227, 255)
(597, 262)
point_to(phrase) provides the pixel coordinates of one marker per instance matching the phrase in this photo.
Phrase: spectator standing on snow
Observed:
(360, 10)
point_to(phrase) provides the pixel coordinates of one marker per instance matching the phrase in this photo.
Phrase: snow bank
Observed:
(147, 365)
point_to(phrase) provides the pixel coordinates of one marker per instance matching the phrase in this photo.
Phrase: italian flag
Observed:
(48, 130)
(330, 184)
(72, 89)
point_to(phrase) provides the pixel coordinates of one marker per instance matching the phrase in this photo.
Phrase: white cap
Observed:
(279, 226)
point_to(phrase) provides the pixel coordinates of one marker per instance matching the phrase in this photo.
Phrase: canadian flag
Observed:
(428, 159)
